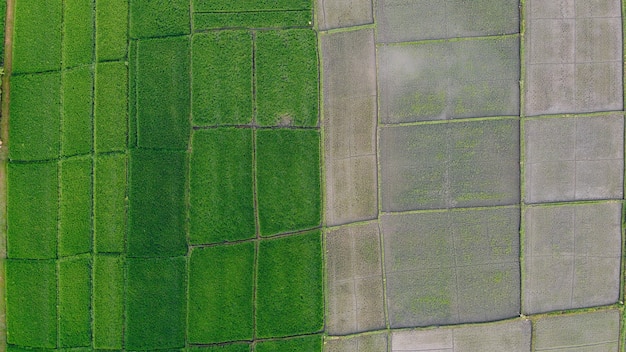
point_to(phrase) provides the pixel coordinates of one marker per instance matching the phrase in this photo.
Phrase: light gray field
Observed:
(511, 336)
(343, 13)
(350, 125)
(449, 267)
(402, 20)
(355, 284)
(581, 332)
(444, 80)
(572, 256)
(573, 56)
(574, 158)
(366, 343)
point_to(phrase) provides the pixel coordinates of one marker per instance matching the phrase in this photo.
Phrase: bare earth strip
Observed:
(4, 138)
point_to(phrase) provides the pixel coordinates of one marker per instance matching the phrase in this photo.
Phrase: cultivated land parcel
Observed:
(299, 175)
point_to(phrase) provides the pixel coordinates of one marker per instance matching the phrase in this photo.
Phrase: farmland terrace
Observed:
(312, 175)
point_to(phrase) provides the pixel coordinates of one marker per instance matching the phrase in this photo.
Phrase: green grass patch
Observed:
(221, 289)
(163, 93)
(222, 78)
(132, 94)
(286, 77)
(157, 204)
(77, 120)
(37, 36)
(265, 19)
(288, 180)
(300, 344)
(31, 303)
(111, 106)
(155, 308)
(110, 203)
(75, 206)
(32, 207)
(221, 186)
(35, 116)
(235, 347)
(75, 303)
(158, 18)
(78, 23)
(111, 29)
(250, 5)
(108, 302)
(289, 286)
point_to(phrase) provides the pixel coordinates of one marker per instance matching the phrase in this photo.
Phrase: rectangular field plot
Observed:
(289, 286)
(235, 347)
(355, 286)
(75, 302)
(31, 303)
(111, 106)
(364, 343)
(221, 290)
(340, 14)
(221, 186)
(250, 5)
(157, 204)
(33, 199)
(163, 92)
(155, 303)
(402, 21)
(286, 78)
(77, 126)
(512, 336)
(300, 344)
(150, 18)
(575, 158)
(288, 180)
(222, 78)
(37, 38)
(110, 203)
(35, 116)
(108, 302)
(78, 27)
(111, 29)
(572, 256)
(593, 331)
(265, 19)
(475, 164)
(75, 230)
(452, 267)
(447, 80)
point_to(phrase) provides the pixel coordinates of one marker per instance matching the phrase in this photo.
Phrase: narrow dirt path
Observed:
(4, 157)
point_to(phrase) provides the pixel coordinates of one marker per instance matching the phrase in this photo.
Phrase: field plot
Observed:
(573, 57)
(449, 165)
(286, 78)
(37, 36)
(264, 19)
(594, 331)
(365, 343)
(111, 29)
(221, 186)
(450, 79)
(301, 344)
(235, 347)
(341, 13)
(33, 198)
(75, 231)
(75, 302)
(574, 158)
(289, 286)
(350, 126)
(163, 92)
(78, 25)
(222, 78)
(451, 267)
(155, 303)
(355, 286)
(572, 259)
(35, 117)
(110, 107)
(77, 121)
(221, 290)
(288, 180)
(108, 302)
(110, 203)
(403, 21)
(150, 18)
(511, 336)
(31, 303)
